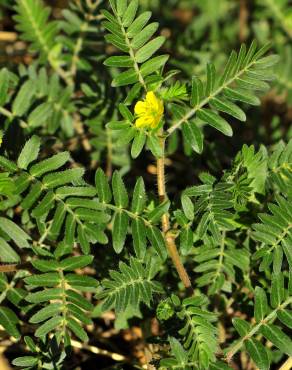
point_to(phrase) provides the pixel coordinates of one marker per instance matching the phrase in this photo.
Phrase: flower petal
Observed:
(140, 107)
(152, 100)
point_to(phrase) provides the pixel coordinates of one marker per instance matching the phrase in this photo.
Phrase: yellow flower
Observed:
(149, 111)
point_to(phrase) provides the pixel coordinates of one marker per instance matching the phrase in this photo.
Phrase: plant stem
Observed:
(254, 330)
(287, 364)
(168, 236)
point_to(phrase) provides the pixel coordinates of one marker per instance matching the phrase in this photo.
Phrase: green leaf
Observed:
(121, 6)
(92, 215)
(196, 92)
(193, 136)
(108, 15)
(49, 279)
(215, 121)
(15, 233)
(138, 143)
(258, 353)
(227, 106)
(119, 61)
(77, 329)
(33, 195)
(211, 76)
(76, 262)
(44, 205)
(278, 338)
(79, 314)
(7, 164)
(118, 125)
(79, 300)
(277, 290)
(138, 24)
(240, 95)
(139, 197)
(25, 361)
(126, 136)
(268, 61)
(156, 214)
(23, 99)
(46, 312)
(139, 237)
(261, 307)
(186, 240)
(49, 326)
(4, 86)
(102, 186)
(228, 68)
(29, 152)
(7, 254)
(118, 42)
(50, 164)
(40, 115)
(30, 343)
(156, 239)
(44, 295)
(81, 281)
(45, 265)
(113, 28)
(241, 326)
(125, 78)
(153, 65)
(56, 179)
(153, 144)
(130, 13)
(119, 190)
(125, 112)
(78, 191)
(178, 351)
(8, 320)
(188, 207)
(143, 36)
(120, 228)
(149, 49)
(82, 238)
(285, 316)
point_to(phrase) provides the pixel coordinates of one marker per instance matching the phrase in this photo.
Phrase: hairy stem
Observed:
(169, 237)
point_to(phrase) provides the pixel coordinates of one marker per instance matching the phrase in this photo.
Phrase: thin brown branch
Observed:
(98, 351)
(243, 18)
(287, 365)
(166, 227)
(8, 36)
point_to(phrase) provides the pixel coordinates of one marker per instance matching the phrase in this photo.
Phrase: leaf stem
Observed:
(131, 51)
(207, 99)
(236, 347)
(166, 227)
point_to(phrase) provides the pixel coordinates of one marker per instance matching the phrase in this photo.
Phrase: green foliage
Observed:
(32, 18)
(86, 243)
(265, 315)
(131, 34)
(244, 74)
(129, 287)
(275, 235)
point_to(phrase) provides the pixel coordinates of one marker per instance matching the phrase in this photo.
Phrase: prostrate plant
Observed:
(229, 238)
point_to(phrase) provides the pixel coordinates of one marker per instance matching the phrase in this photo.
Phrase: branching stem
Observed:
(254, 330)
(166, 227)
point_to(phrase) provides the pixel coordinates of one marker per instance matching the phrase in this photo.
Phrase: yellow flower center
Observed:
(149, 111)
